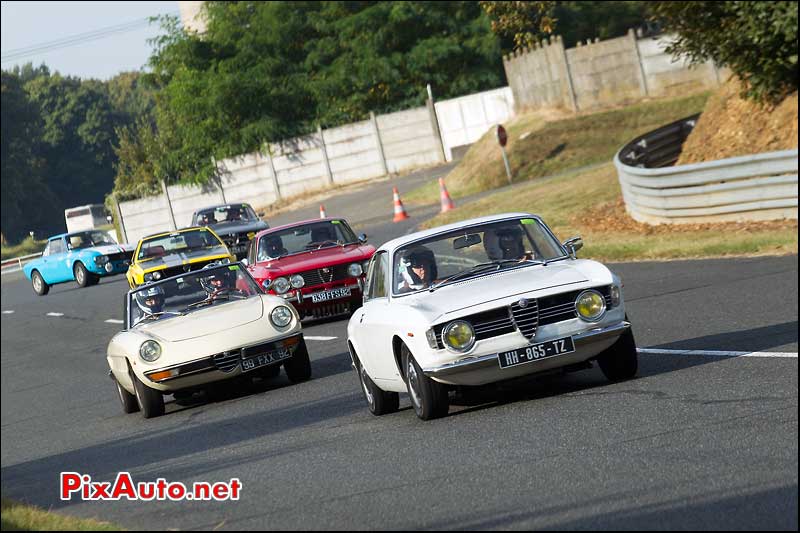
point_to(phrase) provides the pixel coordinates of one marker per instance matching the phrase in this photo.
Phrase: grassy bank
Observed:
(20, 517)
(589, 204)
(26, 247)
(544, 143)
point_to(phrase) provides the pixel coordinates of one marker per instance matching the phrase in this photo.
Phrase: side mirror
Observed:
(362, 238)
(573, 245)
(245, 262)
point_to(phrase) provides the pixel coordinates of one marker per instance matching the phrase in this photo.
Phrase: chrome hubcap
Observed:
(413, 384)
(363, 375)
(37, 283)
(79, 275)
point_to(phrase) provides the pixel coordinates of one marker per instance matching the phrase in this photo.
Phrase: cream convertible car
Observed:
(482, 301)
(194, 329)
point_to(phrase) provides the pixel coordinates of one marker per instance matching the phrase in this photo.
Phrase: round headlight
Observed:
(281, 316)
(354, 270)
(616, 296)
(150, 351)
(458, 335)
(281, 285)
(590, 305)
(156, 276)
(101, 259)
(297, 281)
(109, 267)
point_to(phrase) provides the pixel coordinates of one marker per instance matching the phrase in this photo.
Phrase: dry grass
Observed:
(20, 517)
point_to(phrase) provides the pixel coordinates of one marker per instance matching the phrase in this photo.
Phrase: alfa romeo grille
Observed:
(526, 318)
(318, 276)
(227, 361)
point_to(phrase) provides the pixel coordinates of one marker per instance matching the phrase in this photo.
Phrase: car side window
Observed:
(379, 270)
(56, 246)
(46, 250)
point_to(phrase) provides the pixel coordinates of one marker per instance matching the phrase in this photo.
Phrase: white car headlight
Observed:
(150, 351)
(616, 296)
(458, 335)
(354, 270)
(590, 305)
(297, 281)
(281, 285)
(431, 336)
(101, 260)
(281, 316)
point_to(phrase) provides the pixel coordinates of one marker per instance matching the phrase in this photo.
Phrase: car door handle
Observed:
(362, 318)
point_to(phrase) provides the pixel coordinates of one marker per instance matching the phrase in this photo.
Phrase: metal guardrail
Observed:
(15, 264)
(753, 187)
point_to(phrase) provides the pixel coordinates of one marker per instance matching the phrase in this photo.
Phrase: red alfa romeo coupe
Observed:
(317, 265)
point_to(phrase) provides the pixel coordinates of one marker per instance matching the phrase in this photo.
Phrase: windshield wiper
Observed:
(476, 269)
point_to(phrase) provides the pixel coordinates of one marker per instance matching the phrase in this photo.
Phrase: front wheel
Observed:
(298, 367)
(620, 360)
(128, 400)
(379, 402)
(151, 402)
(83, 277)
(428, 397)
(40, 286)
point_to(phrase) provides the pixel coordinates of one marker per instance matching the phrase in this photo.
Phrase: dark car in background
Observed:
(236, 225)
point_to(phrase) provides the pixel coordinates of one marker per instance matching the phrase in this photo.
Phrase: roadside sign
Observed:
(502, 136)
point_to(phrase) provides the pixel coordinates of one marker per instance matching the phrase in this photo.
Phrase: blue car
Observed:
(83, 256)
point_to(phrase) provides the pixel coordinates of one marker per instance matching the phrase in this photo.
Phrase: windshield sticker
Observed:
(335, 222)
(233, 267)
(528, 221)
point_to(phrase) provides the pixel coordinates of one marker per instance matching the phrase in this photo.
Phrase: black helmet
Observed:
(151, 299)
(504, 242)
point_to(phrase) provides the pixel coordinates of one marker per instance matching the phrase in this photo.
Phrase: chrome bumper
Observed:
(490, 360)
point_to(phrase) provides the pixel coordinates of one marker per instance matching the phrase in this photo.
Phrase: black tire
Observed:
(379, 402)
(40, 286)
(128, 400)
(429, 397)
(83, 277)
(150, 401)
(620, 360)
(271, 372)
(298, 367)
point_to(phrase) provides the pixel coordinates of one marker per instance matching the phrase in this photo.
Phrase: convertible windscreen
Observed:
(185, 241)
(194, 290)
(472, 251)
(304, 238)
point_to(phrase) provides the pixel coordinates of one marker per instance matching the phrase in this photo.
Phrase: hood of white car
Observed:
(203, 322)
(109, 249)
(457, 297)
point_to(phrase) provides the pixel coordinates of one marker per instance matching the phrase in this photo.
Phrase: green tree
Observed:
(757, 40)
(25, 196)
(524, 23)
(579, 21)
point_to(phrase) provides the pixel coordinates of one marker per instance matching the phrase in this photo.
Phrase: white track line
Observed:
(55, 314)
(8, 312)
(711, 353)
(114, 321)
(314, 338)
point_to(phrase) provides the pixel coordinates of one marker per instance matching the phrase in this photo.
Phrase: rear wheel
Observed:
(40, 286)
(620, 360)
(379, 401)
(428, 397)
(298, 367)
(151, 402)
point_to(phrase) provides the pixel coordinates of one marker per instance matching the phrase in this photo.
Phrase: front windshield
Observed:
(476, 250)
(305, 238)
(238, 213)
(87, 239)
(190, 292)
(185, 241)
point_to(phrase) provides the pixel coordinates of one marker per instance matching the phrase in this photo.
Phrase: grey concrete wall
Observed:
(409, 140)
(602, 73)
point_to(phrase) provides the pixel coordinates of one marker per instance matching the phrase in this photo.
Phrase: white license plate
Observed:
(333, 294)
(536, 352)
(264, 359)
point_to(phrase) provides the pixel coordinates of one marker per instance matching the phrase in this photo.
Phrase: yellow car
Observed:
(167, 254)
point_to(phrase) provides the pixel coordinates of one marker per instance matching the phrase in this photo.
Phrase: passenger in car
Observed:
(505, 242)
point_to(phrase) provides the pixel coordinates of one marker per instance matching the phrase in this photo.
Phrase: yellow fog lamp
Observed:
(458, 335)
(590, 305)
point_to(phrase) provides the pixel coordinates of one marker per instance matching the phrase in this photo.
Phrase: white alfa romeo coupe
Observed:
(192, 330)
(483, 301)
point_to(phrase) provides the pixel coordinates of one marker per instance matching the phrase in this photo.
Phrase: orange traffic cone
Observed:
(447, 202)
(399, 210)
(322, 213)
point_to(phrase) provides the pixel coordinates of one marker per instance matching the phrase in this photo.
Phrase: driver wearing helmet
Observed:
(150, 300)
(217, 282)
(418, 270)
(270, 248)
(504, 242)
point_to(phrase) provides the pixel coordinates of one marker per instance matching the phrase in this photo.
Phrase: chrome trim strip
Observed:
(477, 362)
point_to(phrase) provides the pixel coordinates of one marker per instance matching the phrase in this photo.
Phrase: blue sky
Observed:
(27, 24)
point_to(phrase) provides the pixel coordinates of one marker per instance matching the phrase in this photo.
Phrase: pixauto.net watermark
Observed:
(81, 485)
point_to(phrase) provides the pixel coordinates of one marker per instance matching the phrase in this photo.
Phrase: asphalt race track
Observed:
(696, 441)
